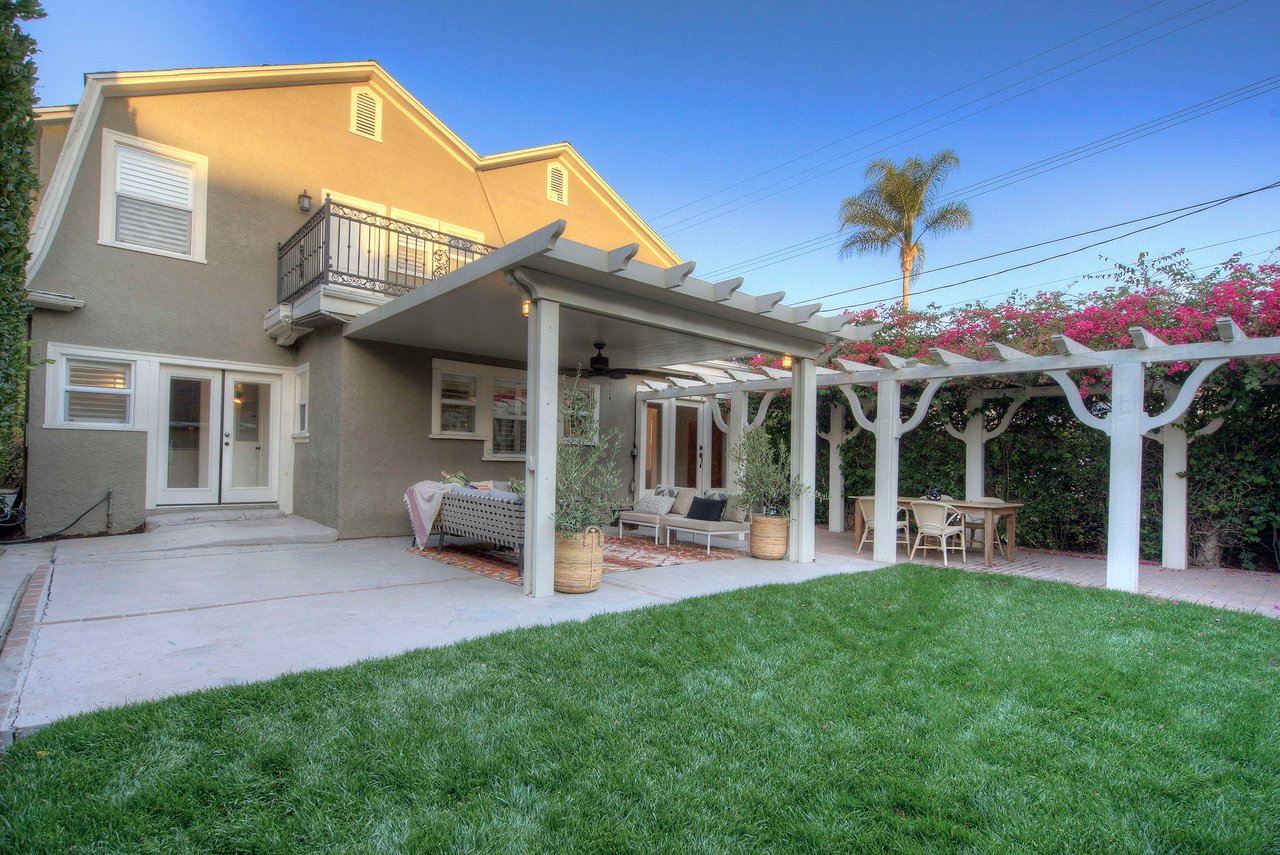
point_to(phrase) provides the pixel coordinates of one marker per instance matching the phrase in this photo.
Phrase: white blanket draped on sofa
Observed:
(423, 501)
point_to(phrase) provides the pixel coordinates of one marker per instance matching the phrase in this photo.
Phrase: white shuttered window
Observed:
(97, 392)
(153, 197)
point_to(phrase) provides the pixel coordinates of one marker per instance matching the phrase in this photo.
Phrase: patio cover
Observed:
(649, 317)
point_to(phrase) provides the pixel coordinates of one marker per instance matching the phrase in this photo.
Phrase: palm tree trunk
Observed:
(906, 282)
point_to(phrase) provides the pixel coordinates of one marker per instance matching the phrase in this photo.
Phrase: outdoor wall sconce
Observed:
(524, 307)
(304, 202)
(786, 361)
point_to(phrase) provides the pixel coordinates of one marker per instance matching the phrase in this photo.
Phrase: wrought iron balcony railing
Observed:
(342, 245)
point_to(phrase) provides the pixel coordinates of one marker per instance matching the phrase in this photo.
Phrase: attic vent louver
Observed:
(557, 184)
(366, 113)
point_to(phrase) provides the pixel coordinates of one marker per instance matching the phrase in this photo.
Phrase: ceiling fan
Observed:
(600, 371)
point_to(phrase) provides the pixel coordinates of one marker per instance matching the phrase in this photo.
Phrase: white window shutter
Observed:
(366, 114)
(155, 197)
(557, 184)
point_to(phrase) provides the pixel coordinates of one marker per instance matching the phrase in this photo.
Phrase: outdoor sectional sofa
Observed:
(734, 523)
(493, 516)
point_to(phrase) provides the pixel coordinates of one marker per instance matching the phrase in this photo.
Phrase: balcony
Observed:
(342, 247)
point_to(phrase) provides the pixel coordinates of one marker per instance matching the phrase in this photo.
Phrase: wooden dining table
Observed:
(988, 508)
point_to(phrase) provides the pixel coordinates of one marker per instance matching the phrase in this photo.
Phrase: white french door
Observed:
(220, 437)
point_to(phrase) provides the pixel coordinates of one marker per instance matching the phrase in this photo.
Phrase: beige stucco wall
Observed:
(519, 194)
(369, 403)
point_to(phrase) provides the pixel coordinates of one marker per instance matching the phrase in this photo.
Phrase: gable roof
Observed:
(102, 85)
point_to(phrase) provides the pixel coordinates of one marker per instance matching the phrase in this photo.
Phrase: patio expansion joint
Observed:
(235, 603)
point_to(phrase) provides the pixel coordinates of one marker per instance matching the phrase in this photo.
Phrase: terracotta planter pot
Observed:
(769, 537)
(579, 561)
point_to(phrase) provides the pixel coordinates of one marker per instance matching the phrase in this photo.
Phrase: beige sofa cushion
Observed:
(684, 499)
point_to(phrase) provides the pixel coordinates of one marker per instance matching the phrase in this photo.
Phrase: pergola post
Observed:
(888, 412)
(1173, 498)
(975, 451)
(835, 436)
(540, 460)
(737, 423)
(1124, 501)
(804, 456)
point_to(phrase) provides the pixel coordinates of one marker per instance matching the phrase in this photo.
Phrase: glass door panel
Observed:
(188, 459)
(686, 473)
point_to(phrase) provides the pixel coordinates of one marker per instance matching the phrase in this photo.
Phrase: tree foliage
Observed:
(898, 210)
(18, 185)
(587, 477)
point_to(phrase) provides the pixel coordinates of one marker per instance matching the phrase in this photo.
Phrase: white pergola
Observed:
(1125, 422)
(650, 316)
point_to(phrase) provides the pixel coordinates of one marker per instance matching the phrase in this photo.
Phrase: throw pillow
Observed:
(655, 505)
(684, 499)
(735, 511)
(706, 509)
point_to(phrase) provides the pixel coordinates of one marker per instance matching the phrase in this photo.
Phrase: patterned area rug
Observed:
(620, 553)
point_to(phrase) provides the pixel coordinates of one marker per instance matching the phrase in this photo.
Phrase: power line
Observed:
(1047, 164)
(1082, 276)
(908, 111)
(784, 184)
(1039, 244)
(1199, 210)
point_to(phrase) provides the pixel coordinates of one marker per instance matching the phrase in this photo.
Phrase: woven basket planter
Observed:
(769, 537)
(579, 561)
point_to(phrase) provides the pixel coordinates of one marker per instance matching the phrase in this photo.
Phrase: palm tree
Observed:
(884, 215)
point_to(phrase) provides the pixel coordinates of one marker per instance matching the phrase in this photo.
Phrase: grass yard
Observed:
(907, 710)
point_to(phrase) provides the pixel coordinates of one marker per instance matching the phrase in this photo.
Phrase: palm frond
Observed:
(948, 217)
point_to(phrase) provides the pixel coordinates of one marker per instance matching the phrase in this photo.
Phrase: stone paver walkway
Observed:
(1238, 590)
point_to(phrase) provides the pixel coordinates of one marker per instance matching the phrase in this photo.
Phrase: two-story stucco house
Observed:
(293, 286)
(193, 284)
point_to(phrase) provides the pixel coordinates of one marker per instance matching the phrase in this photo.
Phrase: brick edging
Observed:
(15, 656)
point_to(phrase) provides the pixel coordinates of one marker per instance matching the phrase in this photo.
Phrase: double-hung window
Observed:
(153, 197)
(97, 392)
(459, 400)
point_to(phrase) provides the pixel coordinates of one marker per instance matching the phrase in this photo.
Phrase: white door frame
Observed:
(243, 495)
(207, 495)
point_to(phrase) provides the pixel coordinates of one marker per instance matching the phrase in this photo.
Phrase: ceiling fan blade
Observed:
(617, 374)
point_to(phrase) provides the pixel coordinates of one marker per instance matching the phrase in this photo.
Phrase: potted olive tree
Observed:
(766, 489)
(587, 483)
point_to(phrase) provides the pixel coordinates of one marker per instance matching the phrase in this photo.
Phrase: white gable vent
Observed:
(557, 184)
(366, 113)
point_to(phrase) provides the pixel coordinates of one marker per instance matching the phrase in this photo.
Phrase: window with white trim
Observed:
(302, 394)
(366, 113)
(97, 392)
(487, 403)
(153, 197)
(557, 184)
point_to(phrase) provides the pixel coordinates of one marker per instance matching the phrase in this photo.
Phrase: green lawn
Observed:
(909, 710)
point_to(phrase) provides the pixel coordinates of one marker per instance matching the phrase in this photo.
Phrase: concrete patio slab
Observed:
(143, 625)
(271, 530)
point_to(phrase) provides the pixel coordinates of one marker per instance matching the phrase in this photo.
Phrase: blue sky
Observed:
(672, 102)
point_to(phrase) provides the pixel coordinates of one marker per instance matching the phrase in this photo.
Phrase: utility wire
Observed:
(906, 112)
(1200, 210)
(1022, 173)
(1082, 276)
(786, 184)
(1039, 244)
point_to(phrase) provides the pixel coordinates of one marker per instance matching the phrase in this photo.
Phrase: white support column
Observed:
(975, 452)
(540, 460)
(804, 456)
(835, 436)
(1124, 502)
(737, 423)
(638, 462)
(667, 447)
(888, 414)
(1173, 498)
